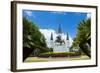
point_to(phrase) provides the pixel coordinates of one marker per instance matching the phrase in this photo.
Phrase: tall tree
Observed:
(83, 36)
(33, 39)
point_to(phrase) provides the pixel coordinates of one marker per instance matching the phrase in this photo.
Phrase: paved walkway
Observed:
(38, 59)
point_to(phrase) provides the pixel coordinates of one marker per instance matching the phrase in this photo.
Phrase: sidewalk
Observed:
(38, 59)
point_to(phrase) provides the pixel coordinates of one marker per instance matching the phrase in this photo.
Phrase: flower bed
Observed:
(59, 54)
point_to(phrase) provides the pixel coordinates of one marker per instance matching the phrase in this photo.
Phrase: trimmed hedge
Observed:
(59, 54)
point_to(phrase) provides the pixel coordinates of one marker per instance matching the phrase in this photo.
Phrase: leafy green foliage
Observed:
(31, 34)
(84, 30)
(83, 37)
(33, 38)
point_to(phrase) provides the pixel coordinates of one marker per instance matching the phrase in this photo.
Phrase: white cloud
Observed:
(88, 15)
(29, 13)
(58, 12)
(47, 34)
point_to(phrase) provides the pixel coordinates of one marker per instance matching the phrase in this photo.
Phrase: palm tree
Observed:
(33, 39)
(83, 36)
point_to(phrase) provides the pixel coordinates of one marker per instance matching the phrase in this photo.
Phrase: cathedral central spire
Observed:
(51, 38)
(59, 29)
(67, 38)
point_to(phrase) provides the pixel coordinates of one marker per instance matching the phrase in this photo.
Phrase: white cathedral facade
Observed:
(59, 44)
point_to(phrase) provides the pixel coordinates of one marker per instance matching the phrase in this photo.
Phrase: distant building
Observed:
(60, 44)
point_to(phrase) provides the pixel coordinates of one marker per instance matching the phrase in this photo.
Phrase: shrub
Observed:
(59, 54)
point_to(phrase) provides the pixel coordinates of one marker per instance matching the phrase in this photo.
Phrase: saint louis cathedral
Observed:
(60, 44)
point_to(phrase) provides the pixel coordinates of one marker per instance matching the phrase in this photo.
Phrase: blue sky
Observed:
(52, 19)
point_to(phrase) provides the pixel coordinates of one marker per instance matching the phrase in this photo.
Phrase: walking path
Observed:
(38, 59)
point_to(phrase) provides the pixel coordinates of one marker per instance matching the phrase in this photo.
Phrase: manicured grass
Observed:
(58, 53)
